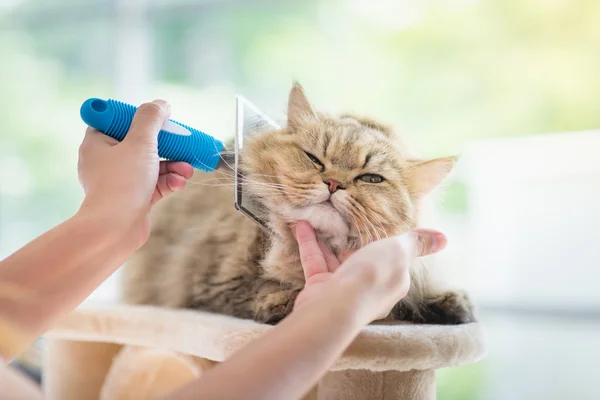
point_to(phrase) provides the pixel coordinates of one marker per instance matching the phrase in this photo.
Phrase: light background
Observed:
(510, 85)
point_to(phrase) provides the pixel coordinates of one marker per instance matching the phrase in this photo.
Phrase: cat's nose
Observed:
(333, 185)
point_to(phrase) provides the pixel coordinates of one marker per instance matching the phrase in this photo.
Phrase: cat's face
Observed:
(352, 181)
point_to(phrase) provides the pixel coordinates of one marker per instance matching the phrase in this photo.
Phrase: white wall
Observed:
(534, 220)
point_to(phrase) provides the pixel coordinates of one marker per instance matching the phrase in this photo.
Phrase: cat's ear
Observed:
(424, 176)
(299, 109)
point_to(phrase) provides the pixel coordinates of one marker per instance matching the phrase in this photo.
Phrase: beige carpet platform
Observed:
(129, 352)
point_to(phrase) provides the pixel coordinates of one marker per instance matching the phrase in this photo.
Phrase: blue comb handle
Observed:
(176, 141)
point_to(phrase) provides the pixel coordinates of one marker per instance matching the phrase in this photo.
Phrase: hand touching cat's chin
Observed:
(325, 218)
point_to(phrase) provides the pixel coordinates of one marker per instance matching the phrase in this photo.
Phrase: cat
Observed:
(351, 178)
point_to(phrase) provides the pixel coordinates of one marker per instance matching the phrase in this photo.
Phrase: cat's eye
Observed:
(371, 178)
(314, 159)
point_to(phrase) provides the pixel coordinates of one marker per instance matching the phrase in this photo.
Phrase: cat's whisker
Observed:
(362, 243)
(284, 195)
(211, 179)
(258, 175)
(288, 190)
(264, 184)
(373, 233)
(261, 186)
(364, 214)
(248, 180)
(220, 154)
(266, 175)
(245, 181)
(368, 231)
(262, 191)
(356, 209)
(380, 224)
(215, 170)
(349, 212)
(375, 229)
(303, 186)
(256, 187)
(244, 178)
(209, 184)
(364, 230)
(265, 189)
(295, 186)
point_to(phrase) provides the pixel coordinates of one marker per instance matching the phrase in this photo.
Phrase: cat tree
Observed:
(133, 352)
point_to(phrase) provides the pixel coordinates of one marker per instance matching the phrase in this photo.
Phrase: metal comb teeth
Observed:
(249, 121)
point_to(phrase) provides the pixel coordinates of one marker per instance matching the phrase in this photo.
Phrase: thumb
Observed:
(148, 121)
(423, 242)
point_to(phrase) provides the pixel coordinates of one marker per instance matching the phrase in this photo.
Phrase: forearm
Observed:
(51, 275)
(289, 359)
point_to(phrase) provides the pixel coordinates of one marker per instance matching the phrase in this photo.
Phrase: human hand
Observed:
(122, 181)
(383, 267)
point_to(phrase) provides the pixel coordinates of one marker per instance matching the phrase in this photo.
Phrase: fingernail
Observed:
(438, 242)
(164, 104)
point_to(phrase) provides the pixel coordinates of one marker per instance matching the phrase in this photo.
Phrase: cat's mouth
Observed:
(328, 203)
(329, 206)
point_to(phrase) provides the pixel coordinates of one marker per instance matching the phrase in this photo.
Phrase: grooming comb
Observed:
(249, 121)
(180, 142)
(176, 141)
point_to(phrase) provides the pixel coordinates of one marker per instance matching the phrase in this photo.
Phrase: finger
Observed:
(94, 137)
(330, 259)
(313, 261)
(180, 168)
(344, 256)
(148, 121)
(426, 241)
(167, 184)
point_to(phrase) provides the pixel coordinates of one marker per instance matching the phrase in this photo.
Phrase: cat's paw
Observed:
(275, 306)
(450, 308)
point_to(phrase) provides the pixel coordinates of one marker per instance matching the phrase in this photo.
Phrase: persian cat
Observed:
(351, 178)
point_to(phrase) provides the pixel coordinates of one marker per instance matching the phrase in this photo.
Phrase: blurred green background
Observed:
(445, 72)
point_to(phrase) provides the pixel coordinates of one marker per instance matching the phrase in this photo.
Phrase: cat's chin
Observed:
(326, 219)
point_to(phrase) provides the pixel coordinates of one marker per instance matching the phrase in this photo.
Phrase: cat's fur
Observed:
(204, 254)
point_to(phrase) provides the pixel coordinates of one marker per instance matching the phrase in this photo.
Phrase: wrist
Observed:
(112, 230)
